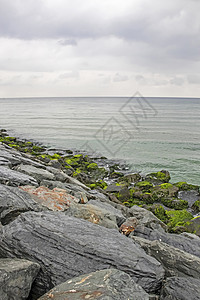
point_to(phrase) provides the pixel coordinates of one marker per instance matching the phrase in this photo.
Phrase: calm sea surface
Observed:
(149, 133)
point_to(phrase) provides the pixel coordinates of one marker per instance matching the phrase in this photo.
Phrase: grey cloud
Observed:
(193, 78)
(177, 81)
(71, 74)
(68, 42)
(118, 77)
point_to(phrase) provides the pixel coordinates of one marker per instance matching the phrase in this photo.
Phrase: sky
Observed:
(65, 48)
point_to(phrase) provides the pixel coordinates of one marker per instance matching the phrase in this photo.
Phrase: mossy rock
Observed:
(159, 211)
(184, 186)
(159, 177)
(196, 206)
(175, 203)
(193, 226)
(144, 185)
(178, 218)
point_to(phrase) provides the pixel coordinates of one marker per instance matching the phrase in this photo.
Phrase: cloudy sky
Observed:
(99, 48)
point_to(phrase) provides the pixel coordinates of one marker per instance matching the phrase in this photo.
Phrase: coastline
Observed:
(98, 201)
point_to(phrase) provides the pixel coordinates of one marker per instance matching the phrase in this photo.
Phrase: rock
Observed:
(14, 178)
(189, 196)
(132, 178)
(113, 188)
(179, 241)
(56, 199)
(38, 173)
(179, 288)
(158, 177)
(93, 214)
(76, 182)
(66, 247)
(14, 201)
(16, 278)
(146, 218)
(15, 158)
(175, 261)
(5, 162)
(104, 284)
(193, 226)
(128, 226)
(114, 211)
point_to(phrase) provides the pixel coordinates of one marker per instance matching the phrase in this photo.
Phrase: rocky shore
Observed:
(79, 226)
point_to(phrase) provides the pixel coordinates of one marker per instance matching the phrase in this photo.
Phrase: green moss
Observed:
(175, 203)
(92, 166)
(184, 186)
(77, 172)
(93, 185)
(160, 213)
(55, 156)
(161, 176)
(144, 185)
(178, 218)
(166, 185)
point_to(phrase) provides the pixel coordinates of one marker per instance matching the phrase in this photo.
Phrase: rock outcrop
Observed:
(16, 278)
(66, 247)
(104, 284)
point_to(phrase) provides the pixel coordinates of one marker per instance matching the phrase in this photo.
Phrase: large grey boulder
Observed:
(14, 201)
(187, 244)
(146, 218)
(114, 211)
(175, 261)
(16, 278)
(37, 173)
(179, 288)
(104, 284)
(14, 178)
(66, 247)
(94, 214)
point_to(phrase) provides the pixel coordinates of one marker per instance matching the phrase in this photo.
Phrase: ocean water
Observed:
(151, 134)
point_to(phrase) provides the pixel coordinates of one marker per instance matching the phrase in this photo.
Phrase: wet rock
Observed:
(56, 199)
(179, 288)
(189, 196)
(38, 173)
(16, 278)
(158, 177)
(114, 211)
(14, 201)
(14, 178)
(132, 178)
(93, 214)
(187, 244)
(104, 284)
(175, 261)
(66, 247)
(146, 218)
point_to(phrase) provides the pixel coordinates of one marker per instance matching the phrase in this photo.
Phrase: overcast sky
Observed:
(99, 48)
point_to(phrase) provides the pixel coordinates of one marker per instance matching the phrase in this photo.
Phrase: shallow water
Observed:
(150, 133)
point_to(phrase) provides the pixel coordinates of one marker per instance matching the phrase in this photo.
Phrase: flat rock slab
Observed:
(14, 178)
(175, 261)
(104, 284)
(14, 201)
(178, 288)
(16, 278)
(66, 247)
(187, 244)
(56, 199)
(37, 173)
(94, 214)
(116, 212)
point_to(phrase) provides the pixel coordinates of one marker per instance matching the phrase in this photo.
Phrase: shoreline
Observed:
(64, 215)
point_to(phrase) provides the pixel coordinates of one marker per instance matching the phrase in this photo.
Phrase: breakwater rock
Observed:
(74, 226)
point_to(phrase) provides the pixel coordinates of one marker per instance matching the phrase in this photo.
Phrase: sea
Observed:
(149, 133)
